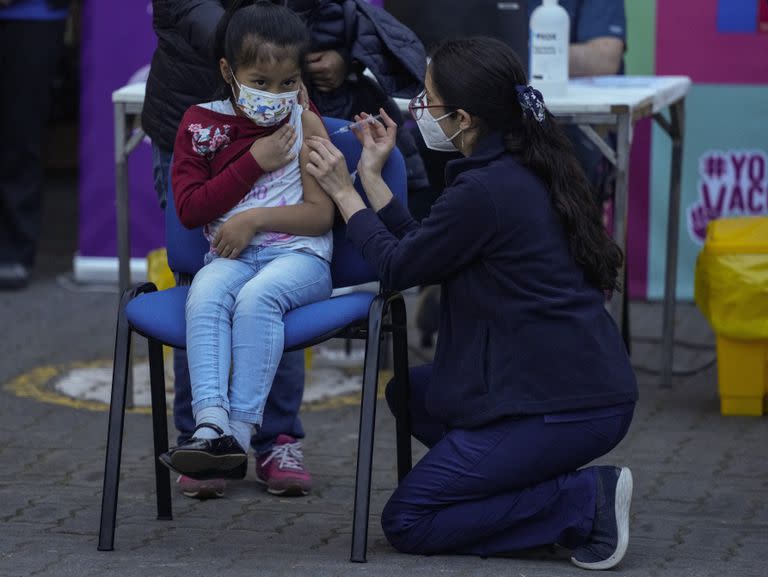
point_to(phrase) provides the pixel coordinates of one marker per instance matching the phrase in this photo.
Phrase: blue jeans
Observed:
(510, 485)
(234, 312)
(281, 414)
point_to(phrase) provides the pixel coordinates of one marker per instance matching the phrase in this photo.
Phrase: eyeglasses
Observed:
(419, 102)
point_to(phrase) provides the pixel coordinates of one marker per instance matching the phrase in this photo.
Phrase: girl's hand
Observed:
(274, 151)
(236, 234)
(328, 166)
(378, 140)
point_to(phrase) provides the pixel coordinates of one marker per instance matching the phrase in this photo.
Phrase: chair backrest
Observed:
(187, 247)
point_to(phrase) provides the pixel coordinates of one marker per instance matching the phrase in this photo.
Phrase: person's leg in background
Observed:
(29, 53)
(182, 391)
(511, 485)
(183, 419)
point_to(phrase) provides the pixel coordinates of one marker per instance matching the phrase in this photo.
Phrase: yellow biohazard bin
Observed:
(732, 292)
(159, 273)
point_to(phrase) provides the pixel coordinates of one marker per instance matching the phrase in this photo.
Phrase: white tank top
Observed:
(281, 187)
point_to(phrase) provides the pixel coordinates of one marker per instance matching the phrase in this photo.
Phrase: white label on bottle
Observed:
(549, 60)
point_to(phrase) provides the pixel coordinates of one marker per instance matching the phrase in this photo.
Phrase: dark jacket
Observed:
(183, 70)
(521, 331)
(369, 37)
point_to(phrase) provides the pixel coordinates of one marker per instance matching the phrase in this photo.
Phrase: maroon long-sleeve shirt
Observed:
(212, 168)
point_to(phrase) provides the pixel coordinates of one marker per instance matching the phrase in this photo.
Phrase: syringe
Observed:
(348, 127)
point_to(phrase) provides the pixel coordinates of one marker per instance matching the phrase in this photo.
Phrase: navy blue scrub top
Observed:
(592, 18)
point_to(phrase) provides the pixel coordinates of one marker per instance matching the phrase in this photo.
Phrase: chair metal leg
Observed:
(400, 365)
(365, 437)
(120, 369)
(159, 429)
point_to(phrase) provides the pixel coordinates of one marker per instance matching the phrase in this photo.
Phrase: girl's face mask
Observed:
(265, 108)
(433, 134)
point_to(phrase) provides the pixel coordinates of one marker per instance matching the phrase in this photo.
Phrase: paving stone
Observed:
(699, 508)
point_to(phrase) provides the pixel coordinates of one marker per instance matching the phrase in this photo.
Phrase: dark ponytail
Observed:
(250, 31)
(482, 76)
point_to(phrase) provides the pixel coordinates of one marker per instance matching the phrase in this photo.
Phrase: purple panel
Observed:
(117, 45)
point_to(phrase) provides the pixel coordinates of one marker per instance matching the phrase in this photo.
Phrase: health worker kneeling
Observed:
(531, 380)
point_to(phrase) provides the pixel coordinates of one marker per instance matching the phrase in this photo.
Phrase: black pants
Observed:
(29, 52)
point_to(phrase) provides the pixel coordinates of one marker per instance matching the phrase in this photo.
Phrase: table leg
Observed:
(123, 230)
(623, 144)
(121, 193)
(676, 130)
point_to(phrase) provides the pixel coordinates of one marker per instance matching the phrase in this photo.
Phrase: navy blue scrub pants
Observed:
(511, 485)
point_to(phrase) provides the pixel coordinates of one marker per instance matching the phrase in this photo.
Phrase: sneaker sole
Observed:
(204, 494)
(289, 491)
(622, 504)
(191, 462)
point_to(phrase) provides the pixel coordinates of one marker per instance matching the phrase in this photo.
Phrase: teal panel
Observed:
(726, 150)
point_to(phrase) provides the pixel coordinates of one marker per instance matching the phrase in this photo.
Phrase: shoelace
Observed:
(289, 456)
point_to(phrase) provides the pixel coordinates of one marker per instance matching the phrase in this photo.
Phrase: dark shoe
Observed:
(219, 458)
(13, 275)
(610, 532)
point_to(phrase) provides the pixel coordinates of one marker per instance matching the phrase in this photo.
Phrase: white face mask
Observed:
(433, 134)
(265, 108)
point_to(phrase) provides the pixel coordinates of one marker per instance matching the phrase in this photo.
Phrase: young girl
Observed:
(271, 244)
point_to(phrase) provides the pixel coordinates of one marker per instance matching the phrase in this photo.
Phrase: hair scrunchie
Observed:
(532, 102)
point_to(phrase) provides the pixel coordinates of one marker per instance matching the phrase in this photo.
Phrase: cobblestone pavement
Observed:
(700, 506)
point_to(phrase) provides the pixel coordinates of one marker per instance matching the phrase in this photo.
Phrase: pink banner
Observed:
(707, 55)
(638, 209)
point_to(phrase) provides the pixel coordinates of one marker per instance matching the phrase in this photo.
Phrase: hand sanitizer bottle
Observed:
(550, 36)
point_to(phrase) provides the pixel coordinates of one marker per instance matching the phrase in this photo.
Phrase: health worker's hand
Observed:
(378, 140)
(328, 166)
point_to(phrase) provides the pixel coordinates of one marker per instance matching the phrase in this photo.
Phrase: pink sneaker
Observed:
(208, 489)
(282, 469)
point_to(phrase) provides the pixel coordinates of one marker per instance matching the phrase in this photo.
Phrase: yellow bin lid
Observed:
(737, 235)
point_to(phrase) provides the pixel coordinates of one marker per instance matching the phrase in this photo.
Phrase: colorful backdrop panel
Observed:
(639, 59)
(725, 124)
(111, 57)
(724, 173)
(696, 38)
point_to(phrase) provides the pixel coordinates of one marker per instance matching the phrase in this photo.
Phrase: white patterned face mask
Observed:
(265, 108)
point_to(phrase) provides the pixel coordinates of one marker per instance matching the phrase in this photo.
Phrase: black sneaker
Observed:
(610, 532)
(219, 458)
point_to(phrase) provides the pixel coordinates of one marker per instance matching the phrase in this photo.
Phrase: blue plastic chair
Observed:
(159, 317)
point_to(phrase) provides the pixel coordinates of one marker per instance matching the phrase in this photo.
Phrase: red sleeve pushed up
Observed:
(212, 169)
